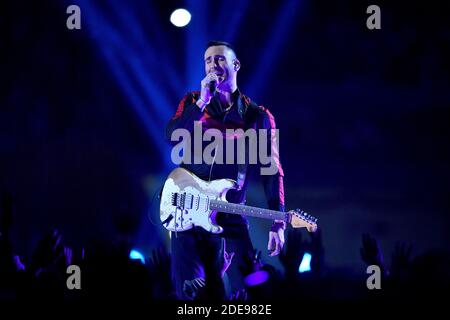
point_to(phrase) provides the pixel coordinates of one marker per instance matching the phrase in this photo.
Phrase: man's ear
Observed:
(237, 64)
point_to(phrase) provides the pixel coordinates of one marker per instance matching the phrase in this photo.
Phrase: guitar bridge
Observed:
(182, 200)
(174, 199)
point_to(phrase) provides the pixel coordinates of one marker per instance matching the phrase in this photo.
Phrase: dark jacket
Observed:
(244, 114)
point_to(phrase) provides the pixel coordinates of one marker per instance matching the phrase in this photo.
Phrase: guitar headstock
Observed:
(301, 219)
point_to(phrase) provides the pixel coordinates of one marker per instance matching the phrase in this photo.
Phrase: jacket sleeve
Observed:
(273, 183)
(187, 112)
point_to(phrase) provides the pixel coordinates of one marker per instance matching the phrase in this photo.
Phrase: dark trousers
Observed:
(192, 248)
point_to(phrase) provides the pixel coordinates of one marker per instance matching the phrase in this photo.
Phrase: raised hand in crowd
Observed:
(401, 260)
(371, 252)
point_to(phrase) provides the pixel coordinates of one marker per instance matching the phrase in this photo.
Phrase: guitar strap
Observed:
(242, 168)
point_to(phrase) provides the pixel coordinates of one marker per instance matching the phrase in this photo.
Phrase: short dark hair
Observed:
(214, 43)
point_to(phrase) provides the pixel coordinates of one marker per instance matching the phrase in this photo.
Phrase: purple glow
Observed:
(256, 278)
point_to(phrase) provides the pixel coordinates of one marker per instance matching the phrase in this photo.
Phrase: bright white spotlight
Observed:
(305, 265)
(136, 255)
(180, 17)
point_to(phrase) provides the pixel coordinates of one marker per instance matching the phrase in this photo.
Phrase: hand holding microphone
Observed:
(209, 85)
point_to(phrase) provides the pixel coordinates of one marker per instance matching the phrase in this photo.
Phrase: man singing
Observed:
(221, 105)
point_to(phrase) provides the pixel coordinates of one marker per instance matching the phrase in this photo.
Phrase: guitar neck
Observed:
(241, 209)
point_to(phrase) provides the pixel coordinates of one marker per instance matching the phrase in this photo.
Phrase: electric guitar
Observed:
(188, 201)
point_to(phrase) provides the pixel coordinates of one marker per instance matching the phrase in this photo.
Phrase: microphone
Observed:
(213, 87)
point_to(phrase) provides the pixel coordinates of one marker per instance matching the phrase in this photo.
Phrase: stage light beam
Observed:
(180, 18)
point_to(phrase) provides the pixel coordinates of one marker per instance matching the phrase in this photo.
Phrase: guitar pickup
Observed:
(189, 201)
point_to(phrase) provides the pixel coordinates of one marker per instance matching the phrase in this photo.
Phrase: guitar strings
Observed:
(214, 159)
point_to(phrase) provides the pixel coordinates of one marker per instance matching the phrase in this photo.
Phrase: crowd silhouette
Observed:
(109, 273)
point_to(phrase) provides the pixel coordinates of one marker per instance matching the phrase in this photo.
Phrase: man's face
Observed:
(221, 61)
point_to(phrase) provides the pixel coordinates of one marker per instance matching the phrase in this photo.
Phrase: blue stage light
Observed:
(136, 255)
(305, 265)
(180, 17)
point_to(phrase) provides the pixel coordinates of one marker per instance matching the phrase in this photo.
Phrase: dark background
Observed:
(363, 114)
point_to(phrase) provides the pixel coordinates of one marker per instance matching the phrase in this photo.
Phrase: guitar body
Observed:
(197, 194)
(188, 201)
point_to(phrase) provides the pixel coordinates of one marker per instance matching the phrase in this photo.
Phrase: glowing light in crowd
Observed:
(256, 278)
(136, 255)
(305, 265)
(180, 17)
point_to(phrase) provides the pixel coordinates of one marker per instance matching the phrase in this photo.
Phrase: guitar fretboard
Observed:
(241, 209)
